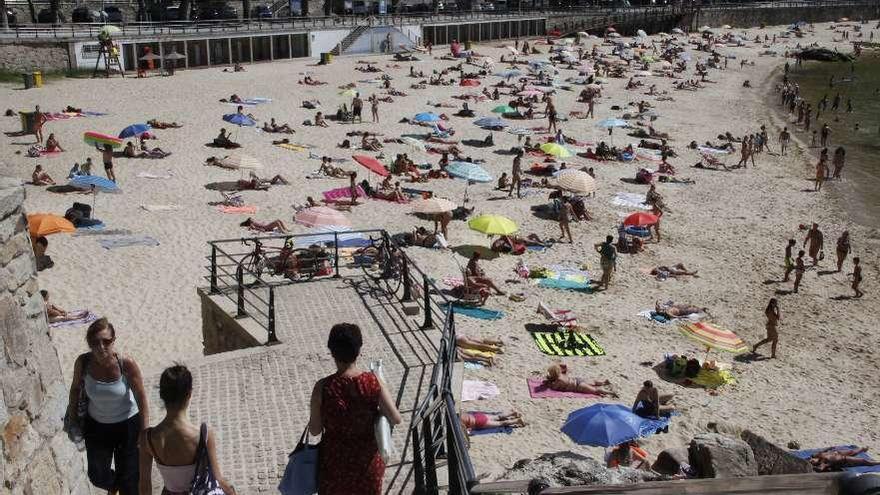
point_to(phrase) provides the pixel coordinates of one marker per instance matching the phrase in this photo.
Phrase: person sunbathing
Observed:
(130, 151)
(370, 144)
(157, 124)
(272, 126)
(222, 140)
(156, 152)
(327, 168)
(484, 345)
(41, 178)
(666, 168)
(477, 277)
(472, 421)
(319, 120)
(259, 184)
(57, 314)
(70, 109)
(52, 145)
(557, 379)
(671, 310)
(272, 226)
(834, 459)
(677, 270)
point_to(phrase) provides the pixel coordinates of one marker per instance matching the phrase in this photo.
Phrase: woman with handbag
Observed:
(344, 408)
(107, 398)
(179, 447)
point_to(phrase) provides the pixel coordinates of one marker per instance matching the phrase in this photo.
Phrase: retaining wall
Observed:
(779, 15)
(221, 331)
(37, 457)
(31, 56)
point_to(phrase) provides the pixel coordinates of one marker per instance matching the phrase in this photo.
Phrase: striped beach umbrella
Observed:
(576, 181)
(714, 337)
(468, 171)
(433, 206)
(321, 215)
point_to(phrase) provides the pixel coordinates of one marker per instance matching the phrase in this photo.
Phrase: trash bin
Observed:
(38, 79)
(326, 58)
(28, 80)
(27, 122)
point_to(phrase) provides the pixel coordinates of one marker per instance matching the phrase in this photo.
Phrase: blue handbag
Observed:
(301, 474)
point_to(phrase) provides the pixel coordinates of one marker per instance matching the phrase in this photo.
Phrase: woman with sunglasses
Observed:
(116, 413)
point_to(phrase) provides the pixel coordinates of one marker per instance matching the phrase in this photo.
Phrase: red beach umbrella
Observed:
(640, 219)
(372, 165)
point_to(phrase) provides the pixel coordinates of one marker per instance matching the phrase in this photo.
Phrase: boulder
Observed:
(570, 469)
(713, 455)
(772, 459)
(670, 460)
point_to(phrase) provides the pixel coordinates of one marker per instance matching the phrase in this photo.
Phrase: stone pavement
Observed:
(257, 399)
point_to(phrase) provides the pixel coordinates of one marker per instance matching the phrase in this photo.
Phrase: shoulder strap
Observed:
(122, 373)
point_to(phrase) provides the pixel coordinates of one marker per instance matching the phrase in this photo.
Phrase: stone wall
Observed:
(776, 16)
(37, 458)
(20, 57)
(221, 331)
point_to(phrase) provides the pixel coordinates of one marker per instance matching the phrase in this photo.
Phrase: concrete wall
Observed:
(373, 41)
(324, 41)
(18, 57)
(779, 16)
(221, 332)
(85, 55)
(37, 457)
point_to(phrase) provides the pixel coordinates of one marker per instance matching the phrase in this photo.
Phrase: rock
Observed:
(824, 55)
(717, 456)
(669, 461)
(570, 469)
(794, 445)
(772, 459)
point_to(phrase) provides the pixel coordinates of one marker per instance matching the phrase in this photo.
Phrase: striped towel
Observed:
(567, 344)
(87, 317)
(342, 193)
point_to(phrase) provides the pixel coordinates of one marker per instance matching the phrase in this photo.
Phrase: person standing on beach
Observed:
(857, 277)
(839, 161)
(374, 107)
(773, 318)
(39, 120)
(825, 134)
(799, 269)
(784, 139)
(565, 214)
(591, 104)
(357, 107)
(843, 249)
(607, 260)
(817, 242)
(789, 263)
(745, 151)
(821, 172)
(352, 187)
(107, 156)
(516, 174)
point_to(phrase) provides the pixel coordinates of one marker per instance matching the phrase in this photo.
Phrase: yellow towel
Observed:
(291, 147)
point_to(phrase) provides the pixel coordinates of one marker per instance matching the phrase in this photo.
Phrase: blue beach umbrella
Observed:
(102, 184)
(468, 171)
(490, 123)
(602, 425)
(427, 117)
(239, 119)
(609, 123)
(134, 130)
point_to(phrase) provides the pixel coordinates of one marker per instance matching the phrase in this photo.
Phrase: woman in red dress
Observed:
(344, 408)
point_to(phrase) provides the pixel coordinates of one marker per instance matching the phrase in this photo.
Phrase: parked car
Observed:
(114, 14)
(84, 14)
(261, 12)
(45, 16)
(171, 13)
(214, 12)
(10, 17)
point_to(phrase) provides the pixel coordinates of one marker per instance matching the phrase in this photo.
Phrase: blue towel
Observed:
(650, 426)
(97, 226)
(554, 283)
(805, 454)
(479, 313)
(490, 431)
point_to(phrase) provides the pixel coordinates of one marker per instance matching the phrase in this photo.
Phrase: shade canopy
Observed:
(134, 130)
(433, 206)
(640, 219)
(468, 171)
(602, 425)
(102, 184)
(239, 119)
(556, 149)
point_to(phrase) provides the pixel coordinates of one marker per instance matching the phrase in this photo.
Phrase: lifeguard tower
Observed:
(108, 53)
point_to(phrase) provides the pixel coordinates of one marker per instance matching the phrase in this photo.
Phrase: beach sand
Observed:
(731, 226)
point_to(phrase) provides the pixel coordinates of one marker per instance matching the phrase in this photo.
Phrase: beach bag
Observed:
(74, 427)
(204, 482)
(382, 427)
(301, 474)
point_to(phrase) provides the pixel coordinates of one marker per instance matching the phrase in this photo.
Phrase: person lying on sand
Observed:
(481, 421)
(557, 379)
(308, 80)
(257, 183)
(130, 151)
(628, 454)
(833, 459)
(157, 124)
(327, 168)
(57, 314)
(41, 178)
(272, 126)
(671, 310)
(156, 152)
(677, 270)
(272, 226)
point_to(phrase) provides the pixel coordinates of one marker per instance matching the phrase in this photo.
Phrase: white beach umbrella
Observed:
(576, 181)
(433, 206)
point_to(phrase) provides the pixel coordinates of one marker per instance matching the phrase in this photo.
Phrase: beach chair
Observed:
(561, 317)
(232, 199)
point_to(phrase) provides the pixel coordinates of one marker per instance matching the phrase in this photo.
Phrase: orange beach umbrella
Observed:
(40, 224)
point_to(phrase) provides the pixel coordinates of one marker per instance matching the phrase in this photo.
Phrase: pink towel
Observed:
(237, 209)
(342, 193)
(538, 390)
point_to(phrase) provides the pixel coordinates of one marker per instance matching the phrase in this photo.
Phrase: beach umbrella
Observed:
(95, 182)
(520, 131)
(432, 206)
(490, 123)
(640, 219)
(557, 150)
(239, 119)
(40, 224)
(610, 123)
(109, 30)
(502, 109)
(325, 234)
(576, 181)
(322, 215)
(150, 56)
(351, 93)
(508, 73)
(603, 425)
(468, 250)
(468, 171)
(413, 143)
(175, 56)
(493, 225)
(372, 164)
(134, 130)
(240, 162)
(426, 117)
(714, 337)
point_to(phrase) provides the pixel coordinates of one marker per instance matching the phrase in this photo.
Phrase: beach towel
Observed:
(630, 200)
(579, 344)
(147, 175)
(92, 228)
(807, 453)
(537, 249)
(452, 281)
(714, 151)
(342, 193)
(713, 379)
(102, 232)
(553, 283)
(649, 426)
(477, 390)
(87, 317)
(291, 146)
(160, 207)
(658, 318)
(478, 313)
(491, 431)
(250, 102)
(246, 209)
(539, 390)
(128, 241)
(471, 365)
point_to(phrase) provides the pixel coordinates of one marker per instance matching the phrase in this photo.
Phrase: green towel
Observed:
(579, 344)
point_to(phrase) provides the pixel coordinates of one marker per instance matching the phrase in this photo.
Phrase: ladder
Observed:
(108, 53)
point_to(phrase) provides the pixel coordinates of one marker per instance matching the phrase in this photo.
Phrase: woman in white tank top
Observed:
(174, 442)
(116, 412)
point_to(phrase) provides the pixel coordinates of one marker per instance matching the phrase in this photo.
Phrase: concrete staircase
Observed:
(349, 40)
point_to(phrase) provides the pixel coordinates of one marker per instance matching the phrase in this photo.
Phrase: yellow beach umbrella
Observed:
(493, 225)
(556, 150)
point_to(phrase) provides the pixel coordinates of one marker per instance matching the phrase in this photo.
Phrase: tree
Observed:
(32, 11)
(183, 11)
(246, 7)
(55, 8)
(4, 19)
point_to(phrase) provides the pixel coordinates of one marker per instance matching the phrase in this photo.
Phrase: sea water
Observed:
(857, 131)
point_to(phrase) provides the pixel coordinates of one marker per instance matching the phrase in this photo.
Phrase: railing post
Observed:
(214, 289)
(336, 254)
(407, 285)
(429, 319)
(239, 276)
(273, 338)
(430, 461)
(418, 465)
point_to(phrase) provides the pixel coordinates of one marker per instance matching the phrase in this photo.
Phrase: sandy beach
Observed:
(731, 226)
